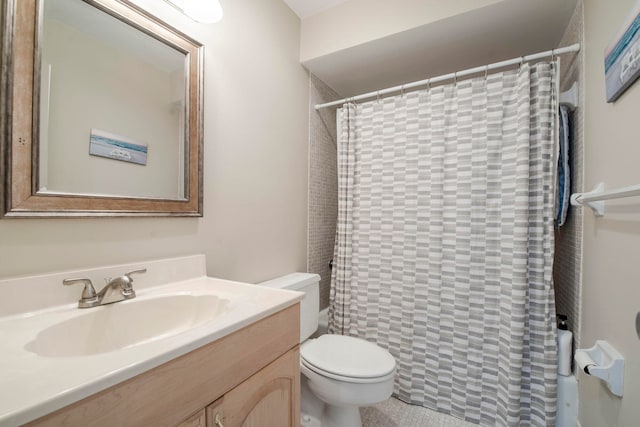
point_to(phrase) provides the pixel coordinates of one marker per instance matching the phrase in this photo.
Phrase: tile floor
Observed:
(394, 413)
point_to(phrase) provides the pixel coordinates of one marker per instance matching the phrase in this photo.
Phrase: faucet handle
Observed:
(127, 289)
(89, 296)
(143, 270)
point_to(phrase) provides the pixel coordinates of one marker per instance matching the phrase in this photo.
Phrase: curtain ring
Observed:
(378, 96)
(402, 91)
(521, 63)
(428, 85)
(486, 72)
(553, 55)
(455, 78)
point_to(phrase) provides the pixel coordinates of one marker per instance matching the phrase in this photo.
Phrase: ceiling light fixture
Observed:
(204, 11)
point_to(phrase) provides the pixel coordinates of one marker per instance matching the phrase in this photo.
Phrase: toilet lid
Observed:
(347, 356)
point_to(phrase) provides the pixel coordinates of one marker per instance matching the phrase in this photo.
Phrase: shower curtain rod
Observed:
(483, 68)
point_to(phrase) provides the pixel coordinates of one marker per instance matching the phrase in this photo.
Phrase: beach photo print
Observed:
(622, 57)
(117, 147)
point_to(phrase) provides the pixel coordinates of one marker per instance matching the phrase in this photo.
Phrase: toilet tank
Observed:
(310, 304)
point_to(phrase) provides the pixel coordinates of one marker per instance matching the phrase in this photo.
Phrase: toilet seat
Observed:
(347, 359)
(344, 379)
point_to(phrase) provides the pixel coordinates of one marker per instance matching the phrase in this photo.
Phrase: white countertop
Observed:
(32, 385)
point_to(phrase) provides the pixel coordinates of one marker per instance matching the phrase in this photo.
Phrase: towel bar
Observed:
(596, 197)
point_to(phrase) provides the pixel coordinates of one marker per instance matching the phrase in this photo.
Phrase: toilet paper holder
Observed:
(604, 362)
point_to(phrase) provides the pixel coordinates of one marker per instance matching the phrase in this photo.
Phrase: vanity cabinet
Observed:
(267, 399)
(248, 378)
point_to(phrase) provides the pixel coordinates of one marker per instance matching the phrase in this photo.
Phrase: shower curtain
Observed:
(444, 244)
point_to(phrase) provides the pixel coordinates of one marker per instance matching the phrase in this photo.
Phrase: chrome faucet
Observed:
(117, 289)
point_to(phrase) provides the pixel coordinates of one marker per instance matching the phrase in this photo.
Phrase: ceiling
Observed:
(504, 30)
(305, 8)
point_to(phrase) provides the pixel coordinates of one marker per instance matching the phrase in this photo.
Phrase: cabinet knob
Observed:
(216, 420)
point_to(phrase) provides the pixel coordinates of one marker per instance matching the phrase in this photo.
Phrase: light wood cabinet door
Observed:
(270, 398)
(197, 420)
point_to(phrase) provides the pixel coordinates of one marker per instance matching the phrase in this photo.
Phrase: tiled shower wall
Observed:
(323, 185)
(568, 244)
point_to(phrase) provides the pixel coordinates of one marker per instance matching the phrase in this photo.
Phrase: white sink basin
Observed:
(126, 324)
(53, 354)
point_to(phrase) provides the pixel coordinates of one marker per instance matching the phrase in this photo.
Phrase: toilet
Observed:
(339, 373)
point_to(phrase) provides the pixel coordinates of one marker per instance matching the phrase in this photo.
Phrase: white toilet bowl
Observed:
(346, 373)
(342, 373)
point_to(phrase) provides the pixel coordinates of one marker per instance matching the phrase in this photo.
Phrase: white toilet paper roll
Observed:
(584, 361)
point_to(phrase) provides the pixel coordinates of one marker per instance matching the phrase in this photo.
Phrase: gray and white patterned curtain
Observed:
(444, 247)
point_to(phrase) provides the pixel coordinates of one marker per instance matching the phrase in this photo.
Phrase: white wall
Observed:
(365, 45)
(611, 290)
(255, 164)
(360, 21)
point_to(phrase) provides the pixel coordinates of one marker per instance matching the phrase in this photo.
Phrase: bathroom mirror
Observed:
(102, 114)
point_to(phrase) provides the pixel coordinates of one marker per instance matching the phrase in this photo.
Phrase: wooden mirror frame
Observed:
(19, 120)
